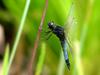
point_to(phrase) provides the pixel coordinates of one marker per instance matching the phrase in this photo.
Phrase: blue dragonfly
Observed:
(59, 32)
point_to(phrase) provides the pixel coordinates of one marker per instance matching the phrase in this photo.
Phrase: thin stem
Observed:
(41, 60)
(61, 64)
(5, 61)
(78, 67)
(80, 44)
(18, 34)
(37, 40)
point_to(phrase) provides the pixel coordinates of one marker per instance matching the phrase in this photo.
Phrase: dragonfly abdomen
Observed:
(65, 46)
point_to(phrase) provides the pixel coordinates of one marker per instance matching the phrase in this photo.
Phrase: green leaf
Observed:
(6, 58)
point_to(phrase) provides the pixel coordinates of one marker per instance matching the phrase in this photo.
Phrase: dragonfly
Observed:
(60, 33)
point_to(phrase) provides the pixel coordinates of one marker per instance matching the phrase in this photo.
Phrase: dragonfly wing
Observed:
(69, 45)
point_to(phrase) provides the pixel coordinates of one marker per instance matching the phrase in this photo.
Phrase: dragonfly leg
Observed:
(49, 36)
(47, 32)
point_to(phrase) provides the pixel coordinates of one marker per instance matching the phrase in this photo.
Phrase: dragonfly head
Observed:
(51, 25)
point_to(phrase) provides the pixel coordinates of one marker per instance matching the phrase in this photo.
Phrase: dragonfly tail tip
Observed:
(68, 63)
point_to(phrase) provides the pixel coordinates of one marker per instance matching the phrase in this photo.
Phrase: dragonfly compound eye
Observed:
(50, 24)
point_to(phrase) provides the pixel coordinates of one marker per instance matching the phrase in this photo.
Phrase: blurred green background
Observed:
(84, 35)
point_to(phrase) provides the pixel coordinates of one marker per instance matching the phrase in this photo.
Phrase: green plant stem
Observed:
(61, 65)
(30, 72)
(80, 44)
(18, 34)
(78, 62)
(41, 60)
(5, 62)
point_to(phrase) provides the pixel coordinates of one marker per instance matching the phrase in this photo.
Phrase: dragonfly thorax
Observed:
(59, 32)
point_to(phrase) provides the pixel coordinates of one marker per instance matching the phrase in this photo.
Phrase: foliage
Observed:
(84, 34)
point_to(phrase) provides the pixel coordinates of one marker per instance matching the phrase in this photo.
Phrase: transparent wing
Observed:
(70, 18)
(69, 24)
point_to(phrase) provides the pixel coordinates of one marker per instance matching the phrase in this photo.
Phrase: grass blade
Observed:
(6, 58)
